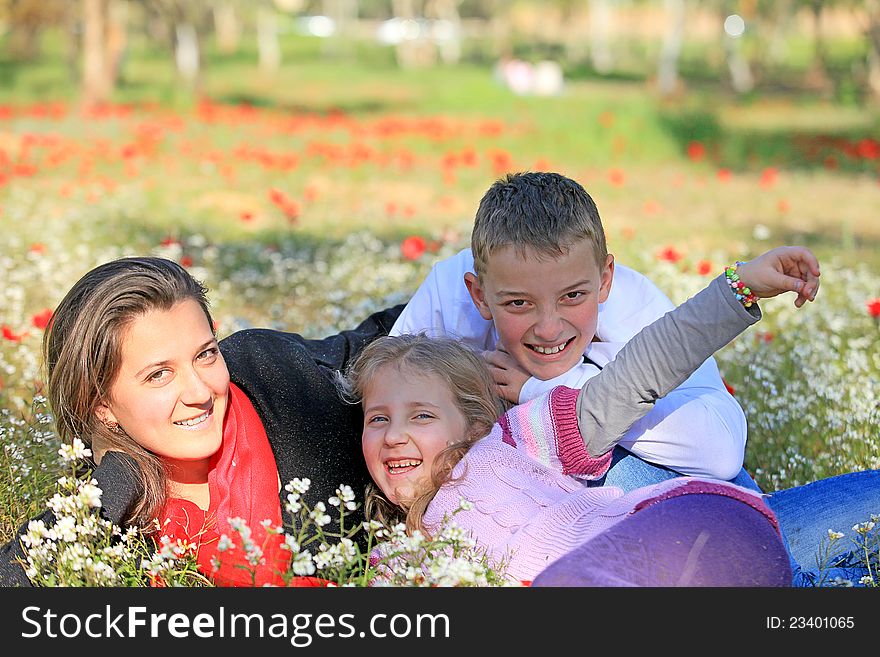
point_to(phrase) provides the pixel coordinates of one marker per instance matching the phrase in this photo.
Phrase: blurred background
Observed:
(311, 160)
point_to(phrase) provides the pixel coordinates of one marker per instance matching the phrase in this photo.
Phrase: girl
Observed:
(429, 440)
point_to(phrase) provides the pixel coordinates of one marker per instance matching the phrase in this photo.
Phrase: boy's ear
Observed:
(607, 277)
(478, 295)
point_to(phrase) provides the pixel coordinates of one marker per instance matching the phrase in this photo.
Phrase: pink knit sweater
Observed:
(525, 483)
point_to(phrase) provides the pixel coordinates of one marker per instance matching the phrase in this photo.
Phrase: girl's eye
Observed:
(424, 416)
(159, 376)
(377, 419)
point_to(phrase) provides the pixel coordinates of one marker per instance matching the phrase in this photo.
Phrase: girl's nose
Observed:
(396, 435)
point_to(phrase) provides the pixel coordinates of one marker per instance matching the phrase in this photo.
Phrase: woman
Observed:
(189, 431)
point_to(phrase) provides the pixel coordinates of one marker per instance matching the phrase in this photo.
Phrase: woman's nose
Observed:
(195, 390)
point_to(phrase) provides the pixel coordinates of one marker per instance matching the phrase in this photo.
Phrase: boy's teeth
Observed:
(549, 350)
(196, 420)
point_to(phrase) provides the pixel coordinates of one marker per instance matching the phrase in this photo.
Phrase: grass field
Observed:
(291, 196)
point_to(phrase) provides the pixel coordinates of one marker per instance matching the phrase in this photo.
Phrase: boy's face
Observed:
(545, 310)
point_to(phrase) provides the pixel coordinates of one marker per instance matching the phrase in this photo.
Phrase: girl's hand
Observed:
(783, 269)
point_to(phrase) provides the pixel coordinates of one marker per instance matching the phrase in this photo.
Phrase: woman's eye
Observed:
(208, 354)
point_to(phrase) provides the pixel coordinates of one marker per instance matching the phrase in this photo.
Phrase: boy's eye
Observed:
(517, 303)
(573, 296)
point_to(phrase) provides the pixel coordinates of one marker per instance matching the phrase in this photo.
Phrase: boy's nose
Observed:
(548, 327)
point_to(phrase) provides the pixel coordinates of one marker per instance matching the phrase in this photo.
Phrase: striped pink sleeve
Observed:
(546, 428)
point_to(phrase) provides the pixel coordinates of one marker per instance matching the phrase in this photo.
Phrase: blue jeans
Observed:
(805, 513)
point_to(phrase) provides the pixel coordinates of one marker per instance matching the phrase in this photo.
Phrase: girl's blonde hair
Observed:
(82, 356)
(473, 391)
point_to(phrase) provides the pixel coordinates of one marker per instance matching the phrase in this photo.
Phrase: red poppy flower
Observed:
(246, 216)
(186, 261)
(764, 336)
(652, 207)
(37, 248)
(704, 267)
(869, 149)
(669, 254)
(12, 336)
(606, 119)
(696, 151)
(783, 206)
(729, 387)
(769, 177)
(873, 307)
(413, 247)
(617, 177)
(41, 319)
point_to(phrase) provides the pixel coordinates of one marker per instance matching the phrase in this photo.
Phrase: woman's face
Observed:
(171, 390)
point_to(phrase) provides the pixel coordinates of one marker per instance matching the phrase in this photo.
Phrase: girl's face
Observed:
(171, 390)
(409, 418)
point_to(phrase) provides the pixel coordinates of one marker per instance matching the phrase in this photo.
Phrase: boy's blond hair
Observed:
(542, 213)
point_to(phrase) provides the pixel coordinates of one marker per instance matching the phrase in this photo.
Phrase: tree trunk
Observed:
(186, 53)
(96, 88)
(668, 81)
(600, 28)
(227, 27)
(872, 32)
(267, 40)
(449, 42)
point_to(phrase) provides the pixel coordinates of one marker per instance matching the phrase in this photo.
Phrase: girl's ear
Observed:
(606, 277)
(478, 295)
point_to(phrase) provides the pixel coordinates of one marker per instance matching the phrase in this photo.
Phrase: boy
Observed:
(537, 300)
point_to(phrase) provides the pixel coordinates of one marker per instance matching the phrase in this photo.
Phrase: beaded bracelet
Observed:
(742, 293)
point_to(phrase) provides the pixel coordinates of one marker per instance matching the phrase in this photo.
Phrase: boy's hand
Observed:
(783, 269)
(509, 377)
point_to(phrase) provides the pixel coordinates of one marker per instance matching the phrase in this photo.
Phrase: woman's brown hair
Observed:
(471, 386)
(82, 354)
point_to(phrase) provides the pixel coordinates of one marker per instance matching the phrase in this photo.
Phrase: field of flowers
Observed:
(308, 221)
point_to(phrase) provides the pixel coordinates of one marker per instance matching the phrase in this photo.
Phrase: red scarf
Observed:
(242, 483)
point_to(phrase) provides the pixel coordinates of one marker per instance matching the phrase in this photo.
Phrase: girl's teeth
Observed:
(403, 464)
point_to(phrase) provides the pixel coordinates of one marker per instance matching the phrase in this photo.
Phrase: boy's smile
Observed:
(545, 309)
